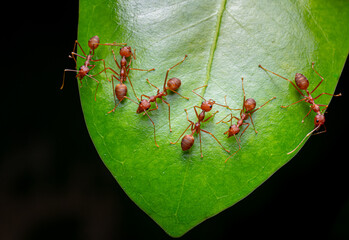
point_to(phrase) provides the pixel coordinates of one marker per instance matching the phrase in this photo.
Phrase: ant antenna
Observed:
(304, 139)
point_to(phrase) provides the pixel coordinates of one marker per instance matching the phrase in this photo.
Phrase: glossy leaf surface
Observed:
(224, 41)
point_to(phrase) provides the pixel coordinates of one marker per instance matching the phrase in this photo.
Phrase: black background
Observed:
(53, 184)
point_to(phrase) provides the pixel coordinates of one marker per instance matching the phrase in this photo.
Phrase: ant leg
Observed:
(191, 124)
(236, 151)
(200, 144)
(337, 95)
(92, 77)
(197, 93)
(263, 104)
(215, 139)
(197, 115)
(153, 85)
(303, 99)
(116, 105)
(134, 92)
(145, 70)
(322, 79)
(157, 106)
(169, 113)
(82, 50)
(230, 120)
(144, 96)
(116, 61)
(307, 115)
(321, 131)
(283, 78)
(154, 128)
(304, 139)
(210, 117)
(66, 70)
(168, 70)
(178, 93)
(244, 130)
(253, 123)
(243, 90)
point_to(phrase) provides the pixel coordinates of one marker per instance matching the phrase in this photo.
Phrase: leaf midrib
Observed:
(214, 44)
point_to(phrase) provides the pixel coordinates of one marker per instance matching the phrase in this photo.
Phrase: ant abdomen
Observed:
(174, 83)
(187, 142)
(301, 81)
(93, 43)
(120, 91)
(250, 104)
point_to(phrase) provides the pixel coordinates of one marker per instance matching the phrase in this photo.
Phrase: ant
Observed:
(188, 140)
(303, 84)
(144, 104)
(84, 70)
(248, 107)
(206, 106)
(120, 89)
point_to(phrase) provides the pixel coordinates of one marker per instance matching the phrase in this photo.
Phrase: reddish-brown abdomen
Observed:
(250, 104)
(187, 142)
(174, 83)
(120, 91)
(93, 43)
(301, 81)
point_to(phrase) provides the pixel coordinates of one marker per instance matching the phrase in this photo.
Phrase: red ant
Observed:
(83, 71)
(248, 107)
(120, 89)
(144, 104)
(188, 140)
(206, 106)
(303, 84)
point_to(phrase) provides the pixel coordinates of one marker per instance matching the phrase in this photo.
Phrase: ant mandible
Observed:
(188, 140)
(302, 84)
(120, 89)
(248, 107)
(144, 104)
(84, 70)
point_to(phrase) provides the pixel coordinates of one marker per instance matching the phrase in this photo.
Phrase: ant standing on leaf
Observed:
(84, 70)
(248, 107)
(144, 104)
(206, 106)
(120, 89)
(303, 84)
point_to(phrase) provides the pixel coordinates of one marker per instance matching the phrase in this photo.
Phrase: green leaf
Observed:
(224, 41)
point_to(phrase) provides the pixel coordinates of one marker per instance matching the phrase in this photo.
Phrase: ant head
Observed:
(126, 51)
(233, 130)
(207, 105)
(250, 104)
(93, 43)
(319, 120)
(144, 105)
(301, 81)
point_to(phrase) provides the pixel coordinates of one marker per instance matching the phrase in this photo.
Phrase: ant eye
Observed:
(148, 108)
(210, 106)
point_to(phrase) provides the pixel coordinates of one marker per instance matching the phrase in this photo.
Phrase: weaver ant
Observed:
(84, 70)
(303, 84)
(120, 89)
(188, 140)
(144, 104)
(206, 106)
(248, 107)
